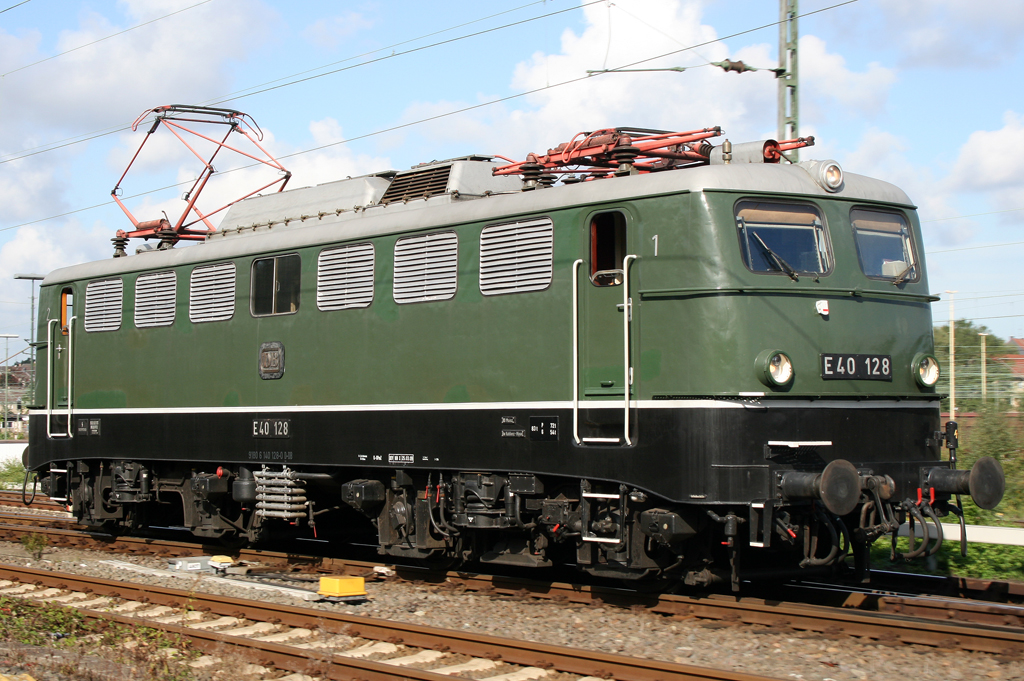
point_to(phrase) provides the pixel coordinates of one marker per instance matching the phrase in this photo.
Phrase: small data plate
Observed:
(836, 367)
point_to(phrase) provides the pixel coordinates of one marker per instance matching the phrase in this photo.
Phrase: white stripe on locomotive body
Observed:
(521, 406)
(446, 212)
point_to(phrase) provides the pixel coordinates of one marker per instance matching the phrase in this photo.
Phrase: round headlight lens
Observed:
(926, 370)
(832, 176)
(780, 368)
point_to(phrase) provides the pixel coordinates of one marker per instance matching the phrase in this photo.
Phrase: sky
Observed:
(923, 94)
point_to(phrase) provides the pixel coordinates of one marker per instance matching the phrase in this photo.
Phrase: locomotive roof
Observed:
(326, 213)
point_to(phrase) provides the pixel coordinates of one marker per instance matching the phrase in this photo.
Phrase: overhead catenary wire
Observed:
(402, 54)
(456, 112)
(87, 136)
(255, 89)
(100, 40)
(972, 248)
(13, 6)
(381, 49)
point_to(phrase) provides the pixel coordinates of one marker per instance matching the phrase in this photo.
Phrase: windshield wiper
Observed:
(902, 277)
(780, 264)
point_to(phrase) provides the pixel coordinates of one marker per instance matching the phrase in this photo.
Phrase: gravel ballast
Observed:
(742, 648)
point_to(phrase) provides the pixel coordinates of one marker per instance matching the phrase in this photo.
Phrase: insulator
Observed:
(531, 175)
(119, 243)
(572, 179)
(547, 179)
(624, 156)
(704, 148)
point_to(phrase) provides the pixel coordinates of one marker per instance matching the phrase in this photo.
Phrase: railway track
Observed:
(14, 498)
(334, 645)
(897, 617)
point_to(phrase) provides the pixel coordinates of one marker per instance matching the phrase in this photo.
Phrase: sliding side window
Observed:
(607, 248)
(884, 245)
(275, 285)
(783, 238)
(67, 308)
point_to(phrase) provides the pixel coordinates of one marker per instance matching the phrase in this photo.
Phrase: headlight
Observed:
(774, 368)
(826, 174)
(926, 370)
(832, 176)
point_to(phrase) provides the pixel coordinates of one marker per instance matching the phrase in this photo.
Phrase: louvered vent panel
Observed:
(418, 184)
(103, 305)
(426, 267)
(344, 277)
(212, 293)
(154, 299)
(516, 257)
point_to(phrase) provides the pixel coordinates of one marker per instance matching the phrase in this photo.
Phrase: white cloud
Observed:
(950, 33)
(42, 249)
(992, 161)
(181, 58)
(330, 32)
(702, 96)
(829, 88)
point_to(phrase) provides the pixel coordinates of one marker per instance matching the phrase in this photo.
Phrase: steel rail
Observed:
(982, 626)
(524, 653)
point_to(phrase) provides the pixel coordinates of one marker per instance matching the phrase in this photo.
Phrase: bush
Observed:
(11, 470)
(999, 434)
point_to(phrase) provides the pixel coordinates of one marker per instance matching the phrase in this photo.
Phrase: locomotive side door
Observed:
(60, 337)
(603, 306)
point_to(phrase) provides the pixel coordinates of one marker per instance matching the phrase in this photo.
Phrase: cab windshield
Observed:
(884, 245)
(781, 237)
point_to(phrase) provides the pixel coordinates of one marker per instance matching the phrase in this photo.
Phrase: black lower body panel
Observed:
(700, 453)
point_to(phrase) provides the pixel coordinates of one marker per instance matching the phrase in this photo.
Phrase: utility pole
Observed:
(788, 74)
(984, 387)
(32, 326)
(7, 393)
(952, 360)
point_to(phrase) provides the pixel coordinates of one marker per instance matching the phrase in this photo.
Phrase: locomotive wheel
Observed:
(441, 562)
(652, 584)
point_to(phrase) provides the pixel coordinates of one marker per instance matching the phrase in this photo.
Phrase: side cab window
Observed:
(607, 248)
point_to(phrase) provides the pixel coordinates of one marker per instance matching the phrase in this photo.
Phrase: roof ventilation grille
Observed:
(418, 184)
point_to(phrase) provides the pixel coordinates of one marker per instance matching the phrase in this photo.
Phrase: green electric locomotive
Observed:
(639, 353)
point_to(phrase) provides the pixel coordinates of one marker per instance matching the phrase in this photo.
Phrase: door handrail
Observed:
(49, 377)
(627, 315)
(49, 374)
(576, 350)
(71, 366)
